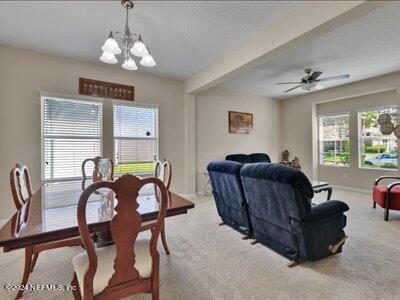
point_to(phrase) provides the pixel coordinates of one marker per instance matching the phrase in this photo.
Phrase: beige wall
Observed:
(24, 73)
(213, 141)
(300, 131)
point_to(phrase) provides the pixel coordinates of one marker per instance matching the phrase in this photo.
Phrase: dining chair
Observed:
(129, 266)
(21, 190)
(163, 171)
(103, 169)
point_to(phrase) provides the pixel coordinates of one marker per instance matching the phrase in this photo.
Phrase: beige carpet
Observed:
(211, 262)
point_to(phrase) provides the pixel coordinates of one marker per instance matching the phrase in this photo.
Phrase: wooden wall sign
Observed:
(106, 89)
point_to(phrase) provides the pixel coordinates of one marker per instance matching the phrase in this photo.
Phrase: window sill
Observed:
(334, 166)
(378, 169)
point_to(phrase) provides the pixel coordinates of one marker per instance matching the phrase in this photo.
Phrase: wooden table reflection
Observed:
(50, 214)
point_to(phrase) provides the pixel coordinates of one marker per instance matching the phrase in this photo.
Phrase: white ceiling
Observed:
(364, 48)
(183, 36)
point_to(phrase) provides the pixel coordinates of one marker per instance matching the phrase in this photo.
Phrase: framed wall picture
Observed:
(240, 122)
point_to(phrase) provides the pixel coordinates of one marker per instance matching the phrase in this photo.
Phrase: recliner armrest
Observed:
(325, 210)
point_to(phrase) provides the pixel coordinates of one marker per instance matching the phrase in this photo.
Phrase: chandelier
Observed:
(131, 44)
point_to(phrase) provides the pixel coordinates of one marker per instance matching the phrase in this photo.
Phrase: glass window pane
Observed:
(377, 150)
(135, 139)
(334, 140)
(71, 133)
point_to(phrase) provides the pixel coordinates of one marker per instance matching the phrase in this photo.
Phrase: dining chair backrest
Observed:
(103, 168)
(163, 171)
(124, 227)
(20, 182)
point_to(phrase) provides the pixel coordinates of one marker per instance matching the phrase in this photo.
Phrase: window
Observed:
(334, 140)
(377, 150)
(135, 139)
(71, 132)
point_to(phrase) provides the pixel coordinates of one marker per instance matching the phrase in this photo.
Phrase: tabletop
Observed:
(50, 214)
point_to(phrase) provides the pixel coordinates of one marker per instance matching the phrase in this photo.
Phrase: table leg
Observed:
(27, 269)
(329, 190)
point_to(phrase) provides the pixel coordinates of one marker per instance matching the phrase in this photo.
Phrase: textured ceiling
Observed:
(364, 48)
(184, 36)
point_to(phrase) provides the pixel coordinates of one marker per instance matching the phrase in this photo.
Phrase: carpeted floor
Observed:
(211, 262)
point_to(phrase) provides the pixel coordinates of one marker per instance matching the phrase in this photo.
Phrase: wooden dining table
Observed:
(50, 214)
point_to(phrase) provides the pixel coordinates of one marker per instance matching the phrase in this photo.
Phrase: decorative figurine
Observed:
(285, 156)
(296, 163)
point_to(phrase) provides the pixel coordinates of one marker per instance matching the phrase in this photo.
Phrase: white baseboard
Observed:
(2, 222)
(347, 188)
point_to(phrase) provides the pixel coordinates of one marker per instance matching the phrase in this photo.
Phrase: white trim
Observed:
(363, 191)
(134, 104)
(334, 166)
(335, 114)
(78, 97)
(365, 109)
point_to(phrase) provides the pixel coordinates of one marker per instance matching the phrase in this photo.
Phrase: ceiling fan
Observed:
(311, 80)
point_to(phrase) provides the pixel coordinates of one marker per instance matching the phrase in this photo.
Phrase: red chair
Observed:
(387, 197)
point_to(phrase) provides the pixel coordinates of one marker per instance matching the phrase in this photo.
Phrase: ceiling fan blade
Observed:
(288, 82)
(314, 76)
(293, 88)
(345, 76)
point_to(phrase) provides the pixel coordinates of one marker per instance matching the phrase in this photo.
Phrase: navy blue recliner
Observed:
(229, 196)
(248, 159)
(282, 216)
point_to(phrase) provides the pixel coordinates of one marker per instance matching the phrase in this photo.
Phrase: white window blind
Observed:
(334, 140)
(71, 132)
(135, 139)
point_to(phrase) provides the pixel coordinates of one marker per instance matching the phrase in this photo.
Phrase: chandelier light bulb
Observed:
(129, 64)
(139, 48)
(110, 45)
(108, 58)
(148, 61)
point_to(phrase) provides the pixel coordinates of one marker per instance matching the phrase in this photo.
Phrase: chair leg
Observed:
(27, 269)
(386, 216)
(35, 257)
(164, 240)
(155, 294)
(295, 263)
(374, 204)
(75, 285)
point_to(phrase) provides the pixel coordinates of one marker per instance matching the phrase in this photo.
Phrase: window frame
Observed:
(137, 104)
(78, 98)
(320, 141)
(359, 137)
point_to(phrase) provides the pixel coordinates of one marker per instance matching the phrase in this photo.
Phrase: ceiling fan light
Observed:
(129, 64)
(309, 86)
(148, 61)
(108, 58)
(319, 86)
(111, 45)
